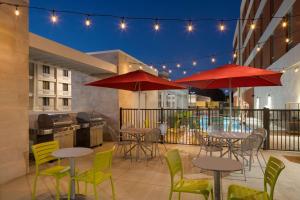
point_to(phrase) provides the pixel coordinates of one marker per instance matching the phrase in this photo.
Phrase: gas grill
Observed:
(59, 127)
(90, 133)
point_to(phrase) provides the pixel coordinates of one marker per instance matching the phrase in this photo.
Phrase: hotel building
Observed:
(268, 36)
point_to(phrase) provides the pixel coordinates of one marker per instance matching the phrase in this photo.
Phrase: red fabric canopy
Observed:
(232, 76)
(136, 81)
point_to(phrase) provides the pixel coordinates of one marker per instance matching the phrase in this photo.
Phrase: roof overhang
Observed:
(48, 51)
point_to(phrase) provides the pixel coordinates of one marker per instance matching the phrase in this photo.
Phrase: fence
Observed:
(283, 126)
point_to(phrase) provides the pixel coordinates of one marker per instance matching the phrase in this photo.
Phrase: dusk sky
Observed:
(170, 45)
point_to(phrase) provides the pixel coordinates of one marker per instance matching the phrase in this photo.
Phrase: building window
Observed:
(65, 102)
(46, 85)
(46, 69)
(66, 73)
(65, 87)
(46, 101)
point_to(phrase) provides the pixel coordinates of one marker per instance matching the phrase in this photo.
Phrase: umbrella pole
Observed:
(230, 106)
(139, 109)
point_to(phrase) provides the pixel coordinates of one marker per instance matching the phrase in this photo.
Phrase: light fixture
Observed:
(213, 59)
(190, 27)
(170, 71)
(184, 72)
(164, 66)
(252, 25)
(296, 70)
(178, 65)
(287, 40)
(284, 23)
(222, 26)
(194, 63)
(88, 21)
(234, 55)
(54, 17)
(258, 48)
(156, 26)
(123, 24)
(17, 12)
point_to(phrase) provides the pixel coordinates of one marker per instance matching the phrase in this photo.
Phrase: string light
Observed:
(184, 72)
(155, 69)
(170, 71)
(17, 12)
(156, 26)
(164, 66)
(222, 26)
(123, 24)
(287, 40)
(194, 63)
(283, 71)
(88, 21)
(54, 17)
(234, 55)
(258, 48)
(296, 70)
(284, 23)
(190, 27)
(178, 65)
(252, 25)
(141, 67)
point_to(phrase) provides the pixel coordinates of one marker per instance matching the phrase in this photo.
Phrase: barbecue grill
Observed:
(90, 133)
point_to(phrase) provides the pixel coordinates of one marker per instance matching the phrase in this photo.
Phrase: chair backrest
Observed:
(42, 152)
(153, 136)
(200, 138)
(103, 160)
(272, 172)
(174, 163)
(258, 141)
(250, 142)
(261, 131)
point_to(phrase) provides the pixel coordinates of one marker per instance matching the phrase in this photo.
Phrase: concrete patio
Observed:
(139, 180)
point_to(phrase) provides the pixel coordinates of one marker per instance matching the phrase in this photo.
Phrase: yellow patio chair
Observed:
(42, 155)
(272, 172)
(197, 186)
(100, 172)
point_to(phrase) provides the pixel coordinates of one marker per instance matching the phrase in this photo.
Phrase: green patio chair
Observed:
(180, 184)
(43, 154)
(100, 172)
(273, 170)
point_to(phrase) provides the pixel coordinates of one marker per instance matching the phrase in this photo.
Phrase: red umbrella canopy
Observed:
(232, 76)
(136, 81)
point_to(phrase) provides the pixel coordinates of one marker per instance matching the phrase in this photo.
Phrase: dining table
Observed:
(137, 134)
(229, 137)
(71, 154)
(217, 165)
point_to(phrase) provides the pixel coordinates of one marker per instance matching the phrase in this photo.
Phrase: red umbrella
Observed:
(232, 76)
(136, 81)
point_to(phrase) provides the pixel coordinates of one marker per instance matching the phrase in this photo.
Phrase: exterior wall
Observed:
(14, 92)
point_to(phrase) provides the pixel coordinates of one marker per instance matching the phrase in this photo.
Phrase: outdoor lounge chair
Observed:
(196, 186)
(272, 172)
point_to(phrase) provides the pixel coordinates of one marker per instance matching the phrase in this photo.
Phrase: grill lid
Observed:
(88, 117)
(50, 121)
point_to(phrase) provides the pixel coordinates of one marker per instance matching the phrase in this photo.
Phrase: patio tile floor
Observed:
(142, 181)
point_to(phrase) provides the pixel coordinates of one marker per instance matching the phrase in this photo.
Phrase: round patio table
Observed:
(217, 165)
(71, 154)
(229, 137)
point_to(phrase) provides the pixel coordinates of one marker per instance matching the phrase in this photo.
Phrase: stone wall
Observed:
(14, 47)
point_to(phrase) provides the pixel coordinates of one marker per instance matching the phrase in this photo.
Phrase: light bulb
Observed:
(287, 40)
(156, 26)
(213, 60)
(88, 21)
(178, 65)
(283, 71)
(296, 70)
(170, 71)
(252, 26)
(222, 26)
(234, 55)
(123, 25)
(17, 12)
(54, 17)
(194, 63)
(164, 66)
(258, 48)
(184, 72)
(284, 23)
(190, 27)
(141, 67)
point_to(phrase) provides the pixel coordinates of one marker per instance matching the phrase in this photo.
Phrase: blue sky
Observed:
(171, 43)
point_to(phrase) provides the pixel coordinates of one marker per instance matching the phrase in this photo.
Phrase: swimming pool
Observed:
(221, 123)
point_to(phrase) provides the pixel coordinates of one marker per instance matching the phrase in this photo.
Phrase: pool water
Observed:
(223, 123)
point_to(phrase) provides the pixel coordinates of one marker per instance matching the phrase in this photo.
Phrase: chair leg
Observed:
(112, 189)
(77, 185)
(34, 187)
(69, 190)
(57, 189)
(250, 162)
(95, 192)
(263, 157)
(179, 195)
(244, 170)
(212, 194)
(85, 188)
(170, 195)
(260, 164)
(199, 151)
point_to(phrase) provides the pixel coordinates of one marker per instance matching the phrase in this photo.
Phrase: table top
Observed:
(217, 164)
(136, 130)
(72, 152)
(228, 135)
